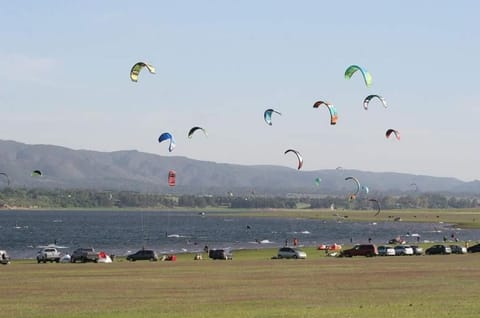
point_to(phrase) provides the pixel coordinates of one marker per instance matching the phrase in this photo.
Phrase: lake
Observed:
(120, 232)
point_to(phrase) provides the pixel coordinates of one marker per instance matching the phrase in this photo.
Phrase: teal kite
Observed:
(369, 98)
(267, 115)
(366, 75)
(331, 109)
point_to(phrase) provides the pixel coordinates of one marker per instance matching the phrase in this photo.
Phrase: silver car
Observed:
(403, 250)
(417, 250)
(290, 252)
(385, 250)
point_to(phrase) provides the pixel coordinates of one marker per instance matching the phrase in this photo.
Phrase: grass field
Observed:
(462, 217)
(250, 285)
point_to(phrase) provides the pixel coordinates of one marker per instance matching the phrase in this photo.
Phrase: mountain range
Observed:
(131, 170)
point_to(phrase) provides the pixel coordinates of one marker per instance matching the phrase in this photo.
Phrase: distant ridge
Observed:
(132, 170)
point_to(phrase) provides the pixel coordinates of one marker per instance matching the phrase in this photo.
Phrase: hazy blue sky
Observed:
(65, 66)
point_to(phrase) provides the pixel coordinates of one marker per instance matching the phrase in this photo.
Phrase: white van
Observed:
(4, 258)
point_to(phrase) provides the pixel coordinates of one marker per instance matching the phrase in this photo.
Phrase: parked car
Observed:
(220, 254)
(417, 250)
(48, 254)
(438, 249)
(4, 258)
(474, 249)
(386, 250)
(84, 254)
(143, 255)
(361, 250)
(403, 250)
(457, 249)
(291, 252)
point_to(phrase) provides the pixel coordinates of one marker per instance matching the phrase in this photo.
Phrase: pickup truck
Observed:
(84, 255)
(48, 254)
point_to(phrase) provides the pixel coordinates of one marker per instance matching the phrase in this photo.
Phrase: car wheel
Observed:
(295, 256)
(38, 261)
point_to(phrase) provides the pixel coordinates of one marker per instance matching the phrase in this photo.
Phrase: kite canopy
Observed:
(135, 71)
(7, 178)
(369, 98)
(299, 157)
(395, 132)
(267, 115)
(168, 136)
(377, 204)
(357, 183)
(331, 109)
(194, 129)
(318, 181)
(354, 68)
(172, 178)
(36, 173)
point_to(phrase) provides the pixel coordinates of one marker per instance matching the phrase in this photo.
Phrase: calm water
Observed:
(120, 232)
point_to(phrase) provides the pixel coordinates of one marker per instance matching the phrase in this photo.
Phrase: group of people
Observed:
(294, 242)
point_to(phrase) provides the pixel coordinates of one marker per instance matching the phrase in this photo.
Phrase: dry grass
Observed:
(463, 217)
(252, 285)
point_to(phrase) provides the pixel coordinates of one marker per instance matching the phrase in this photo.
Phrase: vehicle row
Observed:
(403, 249)
(52, 254)
(151, 255)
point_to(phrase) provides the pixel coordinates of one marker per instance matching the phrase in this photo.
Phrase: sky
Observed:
(65, 66)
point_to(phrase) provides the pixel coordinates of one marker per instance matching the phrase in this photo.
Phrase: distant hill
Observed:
(136, 171)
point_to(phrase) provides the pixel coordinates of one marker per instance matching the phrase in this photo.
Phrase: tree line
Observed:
(45, 198)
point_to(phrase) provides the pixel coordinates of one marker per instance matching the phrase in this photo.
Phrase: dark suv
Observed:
(361, 250)
(474, 249)
(438, 249)
(220, 254)
(143, 255)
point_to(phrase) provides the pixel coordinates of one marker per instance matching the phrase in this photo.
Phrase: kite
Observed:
(357, 183)
(171, 178)
(366, 75)
(194, 129)
(377, 204)
(6, 176)
(369, 98)
(366, 189)
(135, 71)
(168, 136)
(331, 109)
(395, 132)
(36, 173)
(299, 157)
(267, 115)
